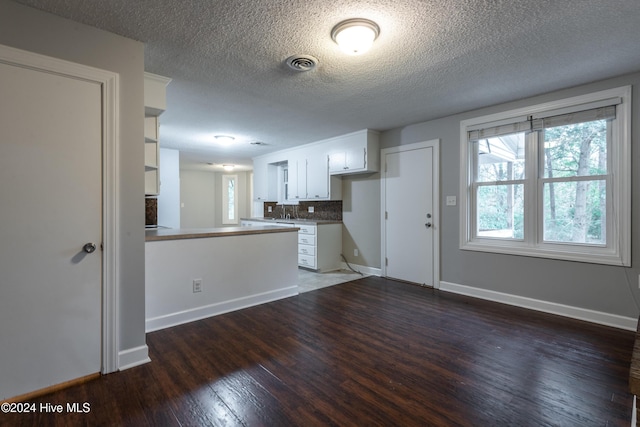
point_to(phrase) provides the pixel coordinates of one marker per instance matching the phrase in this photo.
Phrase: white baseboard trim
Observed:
(368, 271)
(198, 313)
(133, 357)
(601, 318)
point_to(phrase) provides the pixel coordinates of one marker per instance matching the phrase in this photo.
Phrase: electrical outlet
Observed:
(451, 200)
(197, 285)
(311, 209)
(356, 252)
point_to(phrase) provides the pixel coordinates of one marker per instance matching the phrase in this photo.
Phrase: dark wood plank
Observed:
(368, 352)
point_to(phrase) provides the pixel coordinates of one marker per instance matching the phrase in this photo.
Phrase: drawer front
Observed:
(306, 239)
(307, 229)
(306, 261)
(306, 250)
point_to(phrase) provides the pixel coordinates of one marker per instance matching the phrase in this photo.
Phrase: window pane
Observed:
(501, 158)
(575, 212)
(576, 150)
(500, 211)
(231, 203)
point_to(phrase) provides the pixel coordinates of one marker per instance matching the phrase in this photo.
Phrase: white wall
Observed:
(590, 287)
(232, 269)
(361, 222)
(169, 197)
(197, 199)
(201, 195)
(29, 29)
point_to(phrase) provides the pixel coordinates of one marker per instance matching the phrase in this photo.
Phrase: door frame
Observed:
(435, 145)
(109, 82)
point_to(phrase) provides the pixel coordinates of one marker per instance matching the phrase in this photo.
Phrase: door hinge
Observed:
(386, 215)
(386, 261)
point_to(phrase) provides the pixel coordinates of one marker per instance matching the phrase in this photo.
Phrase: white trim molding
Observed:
(593, 316)
(365, 270)
(203, 312)
(109, 83)
(132, 357)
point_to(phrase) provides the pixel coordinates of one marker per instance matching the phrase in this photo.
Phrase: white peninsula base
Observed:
(237, 268)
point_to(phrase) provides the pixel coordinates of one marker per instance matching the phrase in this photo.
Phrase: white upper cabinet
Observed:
(155, 88)
(318, 176)
(357, 152)
(313, 171)
(151, 156)
(297, 164)
(320, 185)
(266, 178)
(261, 181)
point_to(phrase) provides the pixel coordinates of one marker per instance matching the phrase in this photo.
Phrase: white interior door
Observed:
(409, 188)
(50, 207)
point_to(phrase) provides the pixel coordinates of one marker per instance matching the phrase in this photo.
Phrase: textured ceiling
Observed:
(433, 58)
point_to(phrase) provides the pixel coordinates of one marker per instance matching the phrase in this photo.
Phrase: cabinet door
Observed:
(297, 178)
(337, 162)
(318, 176)
(356, 159)
(260, 180)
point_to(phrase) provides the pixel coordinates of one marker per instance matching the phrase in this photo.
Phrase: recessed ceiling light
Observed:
(355, 36)
(224, 139)
(258, 143)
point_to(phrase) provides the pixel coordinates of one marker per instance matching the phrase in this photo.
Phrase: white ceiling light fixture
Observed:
(224, 139)
(355, 36)
(228, 168)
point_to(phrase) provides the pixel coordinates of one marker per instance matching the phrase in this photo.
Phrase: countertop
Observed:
(296, 221)
(199, 233)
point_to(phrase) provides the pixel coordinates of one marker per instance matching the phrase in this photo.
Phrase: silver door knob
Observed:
(89, 248)
(428, 225)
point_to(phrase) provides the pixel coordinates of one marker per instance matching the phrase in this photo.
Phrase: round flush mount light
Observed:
(228, 168)
(355, 36)
(224, 139)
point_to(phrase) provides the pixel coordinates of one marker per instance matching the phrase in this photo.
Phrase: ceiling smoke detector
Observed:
(302, 62)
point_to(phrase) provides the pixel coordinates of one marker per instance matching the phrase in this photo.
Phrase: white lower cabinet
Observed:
(320, 246)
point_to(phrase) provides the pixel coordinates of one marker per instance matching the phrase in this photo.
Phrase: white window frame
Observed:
(618, 248)
(225, 199)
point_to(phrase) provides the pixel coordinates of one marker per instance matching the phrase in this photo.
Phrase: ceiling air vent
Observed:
(302, 62)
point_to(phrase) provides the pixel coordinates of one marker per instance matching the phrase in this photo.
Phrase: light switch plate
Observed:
(451, 200)
(311, 209)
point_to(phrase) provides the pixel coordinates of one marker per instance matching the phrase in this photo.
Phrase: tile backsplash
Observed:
(326, 210)
(151, 211)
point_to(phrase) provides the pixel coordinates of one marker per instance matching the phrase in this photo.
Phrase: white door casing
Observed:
(58, 185)
(410, 213)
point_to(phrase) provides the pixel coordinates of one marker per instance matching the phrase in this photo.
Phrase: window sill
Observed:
(587, 254)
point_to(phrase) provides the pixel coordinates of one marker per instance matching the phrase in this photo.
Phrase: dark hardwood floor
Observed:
(372, 352)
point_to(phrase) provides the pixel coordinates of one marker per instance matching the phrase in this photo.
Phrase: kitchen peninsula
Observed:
(192, 274)
(319, 241)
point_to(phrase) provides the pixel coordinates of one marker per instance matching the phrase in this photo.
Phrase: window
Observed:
(229, 199)
(550, 180)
